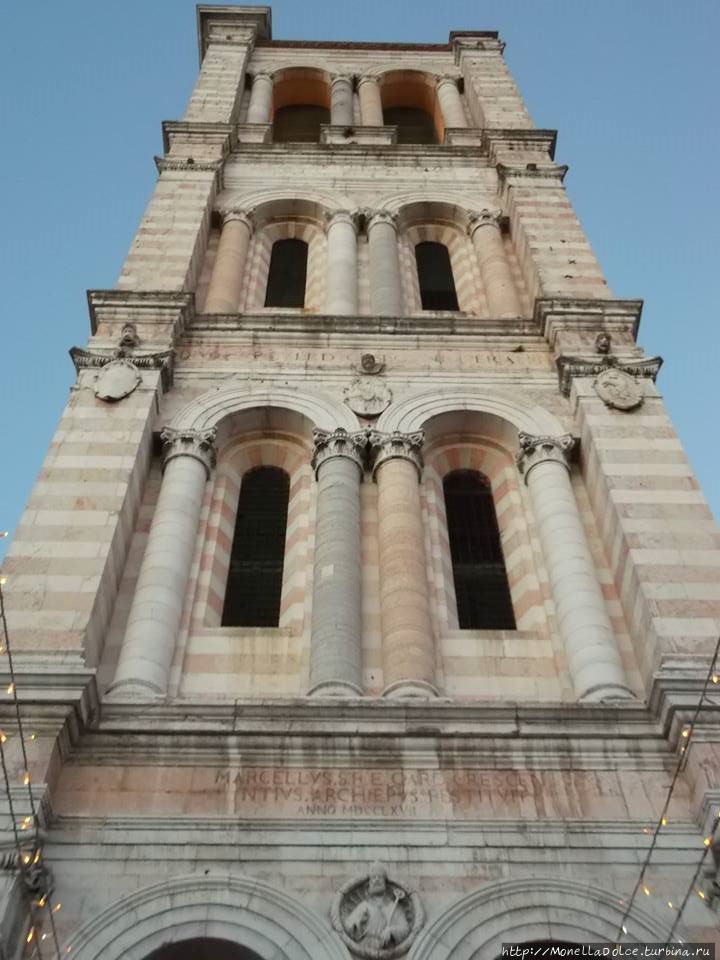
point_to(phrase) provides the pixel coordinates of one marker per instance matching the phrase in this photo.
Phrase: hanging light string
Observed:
(696, 876)
(686, 735)
(25, 861)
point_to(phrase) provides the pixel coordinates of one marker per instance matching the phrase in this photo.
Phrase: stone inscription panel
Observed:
(356, 793)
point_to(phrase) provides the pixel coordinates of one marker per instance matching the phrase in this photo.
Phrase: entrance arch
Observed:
(249, 917)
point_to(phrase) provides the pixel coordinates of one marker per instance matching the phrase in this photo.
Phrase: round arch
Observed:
(237, 408)
(500, 414)
(515, 911)
(240, 910)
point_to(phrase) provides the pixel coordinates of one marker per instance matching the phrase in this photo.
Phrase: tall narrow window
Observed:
(299, 123)
(287, 274)
(252, 597)
(435, 276)
(481, 584)
(413, 124)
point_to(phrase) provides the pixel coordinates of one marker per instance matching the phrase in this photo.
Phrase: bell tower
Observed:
(366, 598)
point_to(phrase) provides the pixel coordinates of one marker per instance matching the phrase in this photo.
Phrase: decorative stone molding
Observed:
(188, 165)
(183, 132)
(519, 141)
(570, 367)
(199, 444)
(555, 315)
(338, 443)
(237, 213)
(446, 78)
(377, 919)
(618, 390)
(125, 363)
(535, 450)
(533, 171)
(341, 216)
(390, 446)
(341, 78)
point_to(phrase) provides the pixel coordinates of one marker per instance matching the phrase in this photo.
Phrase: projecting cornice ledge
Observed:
(550, 172)
(519, 140)
(232, 24)
(182, 133)
(555, 315)
(138, 306)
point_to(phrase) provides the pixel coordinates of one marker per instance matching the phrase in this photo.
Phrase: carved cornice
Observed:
(141, 306)
(188, 165)
(520, 139)
(538, 449)
(198, 444)
(396, 446)
(329, 444)
(569, 367)
(532, 171)
(164, 361)
(568, 313)
(232, 25)
(195, 132)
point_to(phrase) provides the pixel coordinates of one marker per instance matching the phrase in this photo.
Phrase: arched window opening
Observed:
(435, 276)
(299, 123)
(414, 125)
(203, 948)
(481, 584)
(254, 585)
(287, 274)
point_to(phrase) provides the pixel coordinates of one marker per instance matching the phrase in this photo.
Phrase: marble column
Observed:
(228, 274)
(341, 101)
(407, 636)
(371, 111)
(583, 621)
(502, 297)
(342, 292)
(450, 102)
(335, 651)
(261, 95)
(149, 644)
(385, 285)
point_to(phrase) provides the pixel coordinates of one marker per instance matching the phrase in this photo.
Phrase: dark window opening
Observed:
(299, 123)
(203, 949)
(481, 584)
(287, 274)
(414, 125)
(254, 585)
(435, 276)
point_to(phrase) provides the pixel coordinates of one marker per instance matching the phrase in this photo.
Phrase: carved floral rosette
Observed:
(352, 894)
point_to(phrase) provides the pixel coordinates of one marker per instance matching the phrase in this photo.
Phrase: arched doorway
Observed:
(203, 948)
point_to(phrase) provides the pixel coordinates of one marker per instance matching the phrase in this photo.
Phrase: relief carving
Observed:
(377, 918)
(618, 390)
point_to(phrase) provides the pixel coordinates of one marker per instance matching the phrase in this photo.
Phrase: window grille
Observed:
(413, 124)
(254, 585)
(299, 123)
(435, 276)
(481, 584)
(287, 274)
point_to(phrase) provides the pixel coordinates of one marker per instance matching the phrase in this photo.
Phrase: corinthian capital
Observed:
(380, 216)
(328, 444)
(535, 450)
(396, 445)
(237, 213)
(198, 444)
(484, 218)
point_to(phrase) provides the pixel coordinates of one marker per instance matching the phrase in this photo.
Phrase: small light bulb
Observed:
(701, 894)
(707, 841)
(686, 733)
(26, 779)
(646, 890)
(36, 859)
(11, 688)
(43, 937)
(624, 929)
(56, 907)
(43, 900)
(26, 858)
(3, 581)
(715, 678)
(670, 904)
(664, 821)
(33, 736)
(3, 737)
(30, 935)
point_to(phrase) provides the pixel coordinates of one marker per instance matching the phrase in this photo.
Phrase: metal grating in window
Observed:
(481, 584)
(413, 124)
(252, 597)
(299, 123)
(435, 276)
(287, 274)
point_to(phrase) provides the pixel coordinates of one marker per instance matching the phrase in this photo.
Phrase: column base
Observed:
(410, 690)
(335, 688)
(607, 692)
(134, 689)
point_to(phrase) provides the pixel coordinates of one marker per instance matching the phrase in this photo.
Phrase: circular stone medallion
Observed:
(368, 396)
(618, 390)
(116, 380)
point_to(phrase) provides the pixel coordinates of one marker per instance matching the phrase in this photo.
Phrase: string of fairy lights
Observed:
(26, 830)
(28, 852)
(641, 886)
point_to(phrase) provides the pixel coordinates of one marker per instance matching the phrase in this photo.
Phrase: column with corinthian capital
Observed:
(228, 274)
(335, 651)
(583, 621)
(384, 264)
(341, 286)
(149, 644)
(261, 96)
(500, 291)
(407, 635)
(341, 101)
(450, 102)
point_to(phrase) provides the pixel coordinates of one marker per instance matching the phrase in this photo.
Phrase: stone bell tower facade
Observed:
(366, 591)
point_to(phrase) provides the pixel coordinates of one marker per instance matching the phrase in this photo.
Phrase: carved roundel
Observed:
(377, 918)
(368, 396)
(618, 389)
(116, 380)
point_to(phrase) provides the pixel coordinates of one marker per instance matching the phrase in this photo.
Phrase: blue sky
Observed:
(631, 85)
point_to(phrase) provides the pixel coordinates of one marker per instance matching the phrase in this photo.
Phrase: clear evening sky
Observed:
(631, 85)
